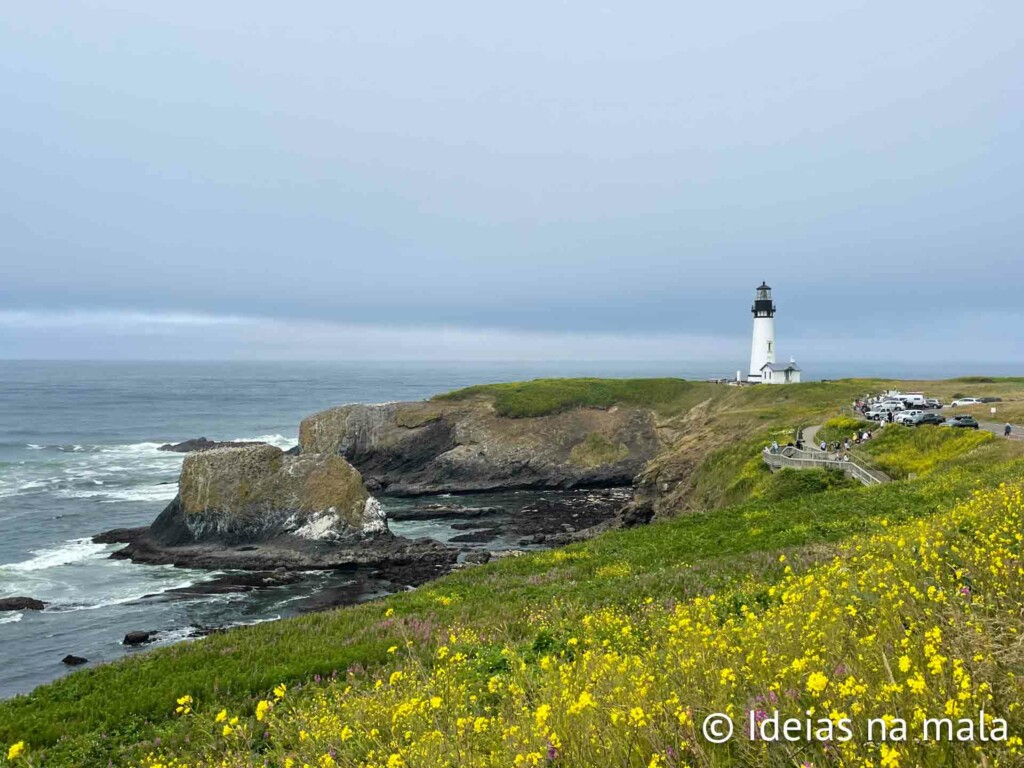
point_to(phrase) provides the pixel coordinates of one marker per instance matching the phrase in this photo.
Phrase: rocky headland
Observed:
(408, 449)
(253, 507)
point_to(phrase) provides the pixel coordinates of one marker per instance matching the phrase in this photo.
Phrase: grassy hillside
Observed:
(542, 397)
(722, 571)
(883, 628)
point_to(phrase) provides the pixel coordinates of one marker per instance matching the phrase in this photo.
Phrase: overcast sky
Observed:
(328, 180)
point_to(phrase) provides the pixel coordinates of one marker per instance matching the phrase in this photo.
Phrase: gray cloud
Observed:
(541, 171)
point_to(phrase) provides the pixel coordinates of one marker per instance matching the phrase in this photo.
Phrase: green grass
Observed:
(843, 427)
(791, 483)
(542, 397)
(901, 451)
(990, 379)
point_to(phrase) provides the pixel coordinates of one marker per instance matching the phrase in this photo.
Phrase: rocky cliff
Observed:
(436, 446)
(258, 492)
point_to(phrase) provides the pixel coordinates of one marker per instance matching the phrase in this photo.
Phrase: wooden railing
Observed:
(806, 459)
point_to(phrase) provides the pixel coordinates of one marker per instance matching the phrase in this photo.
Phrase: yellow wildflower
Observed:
(261, 709)
(816, 683)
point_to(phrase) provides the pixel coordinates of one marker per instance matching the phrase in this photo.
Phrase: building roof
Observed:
(790, 366)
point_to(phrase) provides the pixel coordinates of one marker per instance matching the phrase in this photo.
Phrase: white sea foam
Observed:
(282, 442)
(10, 618)
(72, 551)
(132, 448)
(174, 636)
(107, 495)
(159, 492)
(34, 447)
(152, 591)
(254, 622)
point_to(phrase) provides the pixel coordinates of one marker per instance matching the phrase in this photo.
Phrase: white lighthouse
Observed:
(763, 368)
(762, 347)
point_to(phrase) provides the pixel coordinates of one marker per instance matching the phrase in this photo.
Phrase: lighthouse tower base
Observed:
(762, 347)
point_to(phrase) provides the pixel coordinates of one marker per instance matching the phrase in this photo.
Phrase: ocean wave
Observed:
(126, 448)
(13, 489)
(72, 551)
(170, 637)
(252, 622)
(107, 495)
(147, 447)
(159, 492)
(10, 618)
(280, 441)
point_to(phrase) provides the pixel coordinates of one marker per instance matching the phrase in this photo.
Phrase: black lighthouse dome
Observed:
(763, 306)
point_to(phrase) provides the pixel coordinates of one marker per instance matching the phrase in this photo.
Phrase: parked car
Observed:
(903, 417)
(966, 420)
(892, 405)
(931, 402)
(881, 412)
(961, 401)
(926, 417)
(913, 400)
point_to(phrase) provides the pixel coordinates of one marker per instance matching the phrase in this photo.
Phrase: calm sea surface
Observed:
(78, 456)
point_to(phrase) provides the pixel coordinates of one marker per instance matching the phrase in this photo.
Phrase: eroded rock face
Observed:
(437, 447)
(258, 492)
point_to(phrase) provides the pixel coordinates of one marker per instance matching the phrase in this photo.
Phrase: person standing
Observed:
(1007, 429)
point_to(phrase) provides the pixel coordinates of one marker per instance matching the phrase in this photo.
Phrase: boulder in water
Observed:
(21, 604)
(242, 495)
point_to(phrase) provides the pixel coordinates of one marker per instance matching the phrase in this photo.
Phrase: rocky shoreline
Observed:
(288, 553)
(265, 515)
(556, 520)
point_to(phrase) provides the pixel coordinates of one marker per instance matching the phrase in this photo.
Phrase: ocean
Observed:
(78, 456)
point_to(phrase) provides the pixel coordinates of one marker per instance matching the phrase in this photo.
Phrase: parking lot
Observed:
(916, 409)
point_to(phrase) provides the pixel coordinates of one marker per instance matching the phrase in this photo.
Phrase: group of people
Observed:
(856, 439)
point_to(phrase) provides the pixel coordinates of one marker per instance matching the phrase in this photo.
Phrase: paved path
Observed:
(997, 428)
(809, 433)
